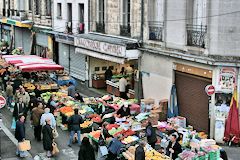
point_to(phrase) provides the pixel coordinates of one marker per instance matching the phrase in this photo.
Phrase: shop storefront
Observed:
(23, 39)
(103, 54)
(6, 33)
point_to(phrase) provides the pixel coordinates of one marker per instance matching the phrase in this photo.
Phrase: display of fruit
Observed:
(86, 124)
(66, 109)
(29, 86)
(95, 134)
(97, 119)
(154, 155)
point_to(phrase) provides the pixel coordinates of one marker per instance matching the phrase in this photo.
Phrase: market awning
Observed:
(23, 24)
(40, 67)
(26, 59)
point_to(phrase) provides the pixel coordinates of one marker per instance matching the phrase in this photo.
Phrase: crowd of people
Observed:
(31, 106)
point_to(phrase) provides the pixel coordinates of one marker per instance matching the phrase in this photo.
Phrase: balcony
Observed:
(19, 15)
(100, 27)
(156, 31)
(125, 30)
(196, 35)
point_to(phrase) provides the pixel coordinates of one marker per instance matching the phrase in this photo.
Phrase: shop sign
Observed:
(65, 39)
(210, 90)
(103, 47)
(226, 80)
(2, 102)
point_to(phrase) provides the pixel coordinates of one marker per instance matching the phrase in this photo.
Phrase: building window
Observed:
(155, 19)
(69, 18)
(59, 10)
(100, 26)
(30, 5)
(125, 28)
(197, 23)
(81, 17)
(37, 7)
(48, 8)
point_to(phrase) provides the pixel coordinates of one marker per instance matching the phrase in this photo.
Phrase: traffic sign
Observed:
(2, 102)
(210, 90)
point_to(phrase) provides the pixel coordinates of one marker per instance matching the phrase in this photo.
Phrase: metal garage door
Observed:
(77, 65)
(192, 99)
(64, 56)
(18, 37)
(27, 40)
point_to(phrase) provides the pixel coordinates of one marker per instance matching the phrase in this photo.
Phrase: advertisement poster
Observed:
(226, 79)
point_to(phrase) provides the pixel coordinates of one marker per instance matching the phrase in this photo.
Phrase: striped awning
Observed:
(22, 24)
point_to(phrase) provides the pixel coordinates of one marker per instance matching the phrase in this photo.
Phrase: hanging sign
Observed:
(226, 79)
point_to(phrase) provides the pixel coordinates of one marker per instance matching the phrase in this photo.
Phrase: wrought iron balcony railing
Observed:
(155, 31)
(196, 35)
(100, 27)
(125, 30)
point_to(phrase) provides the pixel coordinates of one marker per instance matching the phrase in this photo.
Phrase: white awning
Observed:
(100, 55)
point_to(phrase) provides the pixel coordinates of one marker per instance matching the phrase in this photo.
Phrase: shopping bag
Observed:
(55, 148)
(13, 126)
(24, 146)
(103, 150)
(55, 133)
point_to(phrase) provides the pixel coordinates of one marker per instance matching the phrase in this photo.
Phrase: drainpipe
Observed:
(142, 19)
(165, 24)
(89, 8)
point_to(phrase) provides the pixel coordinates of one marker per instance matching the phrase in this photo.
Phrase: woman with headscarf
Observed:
(174, 148)
(86, 151)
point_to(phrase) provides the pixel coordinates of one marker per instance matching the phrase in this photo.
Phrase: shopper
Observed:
(71, 89)
(47, 137)
(19, 108)
(37, 91)
(33, 101)
(20, 134)
(6, 77)
(151, 135)
(48, 115)
(108, 74)
(78, 97)
(86, 151)
(52, 104)
(25, 96)
(36, 115)
(139, 152)
(124, 111)
(9, 94)
(114, 148)
(74, 123)
(174, 148)
(122, 87)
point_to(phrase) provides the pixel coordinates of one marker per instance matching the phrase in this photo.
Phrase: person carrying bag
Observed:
(55, 149)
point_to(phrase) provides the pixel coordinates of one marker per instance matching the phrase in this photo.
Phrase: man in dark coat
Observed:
(139, 152)
(108, 74)
(19, 108)
(20, 134)
(47, 138)
(174, 148)
(151, 135)
(86, 151)
(74, 123)
(36, 116)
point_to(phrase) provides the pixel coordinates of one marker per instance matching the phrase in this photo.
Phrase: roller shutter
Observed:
(27, 40)
(192, 100)
(42, 39)
(18, 37)
(64, 56)
(77, 65)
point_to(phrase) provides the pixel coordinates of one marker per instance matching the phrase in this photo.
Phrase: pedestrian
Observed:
(6, 77)
(71, 89)
(52, 104)
(25, 96)
(9, 94)
(47, 137)
(174, 148)
(122, 87)
(108, 74)
(36, 115)
(139, 152)
(114, 148)
(86, 151)
(19, 108)
(37, 91)
(20, 135)
(74, 123)
(151, 135)
(33, 102)
(17, 82)
(124, 111)
(48, 115)
(78, 97)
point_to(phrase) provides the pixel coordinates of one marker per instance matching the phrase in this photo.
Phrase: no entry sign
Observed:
(210, 90)
(2, 102)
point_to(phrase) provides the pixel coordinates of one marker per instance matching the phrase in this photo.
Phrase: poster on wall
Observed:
(226, 79)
